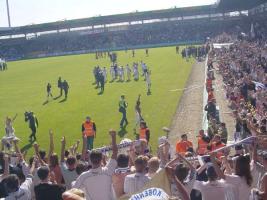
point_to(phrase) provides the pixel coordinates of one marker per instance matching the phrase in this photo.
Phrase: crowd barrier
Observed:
(205, 98)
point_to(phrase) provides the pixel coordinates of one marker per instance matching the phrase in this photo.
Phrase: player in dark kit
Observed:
(33, 124)
(102, 82)
(122, 108)
(66, 87)
(48, 90)
(59, 85)
(147, 52)
(177, 49)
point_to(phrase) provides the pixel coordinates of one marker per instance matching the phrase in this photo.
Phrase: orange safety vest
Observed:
(88, 129)
(142, 133)
(214, 146)
(182, 146)
(202, 146)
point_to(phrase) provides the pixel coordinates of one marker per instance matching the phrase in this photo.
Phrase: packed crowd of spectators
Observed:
(131, 37)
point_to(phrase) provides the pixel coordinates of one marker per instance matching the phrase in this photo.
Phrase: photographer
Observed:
(33, 124)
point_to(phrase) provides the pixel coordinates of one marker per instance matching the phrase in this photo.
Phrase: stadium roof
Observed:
(237, 5)
(221, 6)
(110, 19)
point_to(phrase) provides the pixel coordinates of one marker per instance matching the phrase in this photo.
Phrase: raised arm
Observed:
(216, 166)
(164, 153)
(6, 169)
(254, 151)
(51, 145)
(180, 187)
(36, 150)
(76, 146)
(172, 162)
(228, 169)
(63, 145)
(263, 194)
(186, 161)
(114, 145)
(13, 119)
(84, 148)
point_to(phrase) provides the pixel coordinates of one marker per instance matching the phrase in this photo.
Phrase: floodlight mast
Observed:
(8, 15)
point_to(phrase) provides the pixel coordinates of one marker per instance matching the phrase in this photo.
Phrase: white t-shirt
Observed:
(241, 188)
(69, 176)
(214, 190)
(97, 183)
(135, 182)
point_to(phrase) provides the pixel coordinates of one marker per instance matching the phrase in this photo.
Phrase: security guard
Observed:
(203, 142)
(89, 130)
(144, 132)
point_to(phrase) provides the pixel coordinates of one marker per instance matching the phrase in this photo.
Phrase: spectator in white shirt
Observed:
(68, 168)
(136, 181)
(241, 179)
(17, 190)
(97, 182)
(213, 188)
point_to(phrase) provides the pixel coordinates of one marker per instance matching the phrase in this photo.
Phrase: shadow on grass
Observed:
(57, 97)
(100, 93)
(46, 102)
(122, 132)
(63, 100)
(27, 147)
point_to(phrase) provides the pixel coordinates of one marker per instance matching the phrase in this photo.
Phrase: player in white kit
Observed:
(148, 81)
(10, 133)
(112, 72)
(135, 71)
(128, 72)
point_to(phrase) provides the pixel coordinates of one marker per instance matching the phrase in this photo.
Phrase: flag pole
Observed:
(8, 15)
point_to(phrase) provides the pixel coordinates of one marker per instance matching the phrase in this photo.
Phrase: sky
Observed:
(25, 12)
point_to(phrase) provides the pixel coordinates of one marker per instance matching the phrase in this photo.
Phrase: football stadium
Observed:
(161, 103)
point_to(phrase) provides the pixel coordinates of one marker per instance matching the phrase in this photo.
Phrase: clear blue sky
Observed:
(24, 12)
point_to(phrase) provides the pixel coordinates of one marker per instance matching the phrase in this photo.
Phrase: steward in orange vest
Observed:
(144, 132)
(183, 145)
(203, 142)
(89, 130)
(217, 144)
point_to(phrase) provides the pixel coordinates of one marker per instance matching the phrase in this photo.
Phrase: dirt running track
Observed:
(188, 116)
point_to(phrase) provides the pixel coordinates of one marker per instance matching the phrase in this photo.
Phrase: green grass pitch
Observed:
(23, 88)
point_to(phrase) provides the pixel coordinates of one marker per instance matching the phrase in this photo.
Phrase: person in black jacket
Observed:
(33, 124)
(66, 87)
(46, 189)
(59, 85)
(211, 109)
(49, 91)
